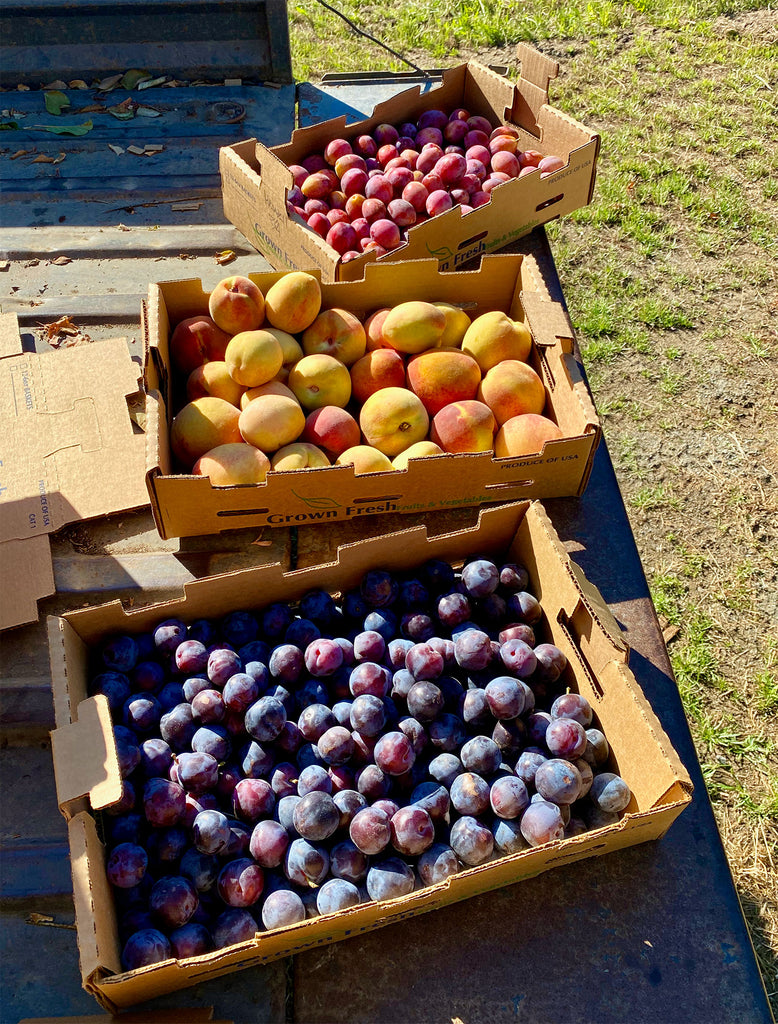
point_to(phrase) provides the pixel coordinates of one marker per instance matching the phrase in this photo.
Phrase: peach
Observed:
(525, 435)
(254, 357)
(393, 419)
(273, 387)
(381, 368)
(236, 304)
(457, 322)
(230, 464)
(293, 302)
(365, 459)
(466, 426)
(213, 379)
(443, 375)
(332, 429)
(291, 351)
(494, 336)
(413, 326)
(195, 341)
(271, 421)
(320, 379)
(298, 455)
(511, 388)
(337, 333)
(373, 328)
(416, 451)
(201, 425)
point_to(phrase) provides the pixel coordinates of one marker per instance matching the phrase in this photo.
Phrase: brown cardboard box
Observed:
(575, 618)
(186, 505)
(255, 179)
(71, 450)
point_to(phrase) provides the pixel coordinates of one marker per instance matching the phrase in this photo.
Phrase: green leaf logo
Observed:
(322, 503)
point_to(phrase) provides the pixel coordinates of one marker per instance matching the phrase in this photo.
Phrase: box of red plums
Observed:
(283, 759)
(448, 171)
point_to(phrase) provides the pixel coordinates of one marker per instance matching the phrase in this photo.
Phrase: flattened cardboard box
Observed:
(575, 618)
(256, 179)
(70, 452)
(186, 505)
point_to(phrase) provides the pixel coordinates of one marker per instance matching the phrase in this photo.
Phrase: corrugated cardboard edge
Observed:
(28, 563)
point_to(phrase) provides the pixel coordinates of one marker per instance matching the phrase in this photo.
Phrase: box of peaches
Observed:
(449, 171)
(276, 400)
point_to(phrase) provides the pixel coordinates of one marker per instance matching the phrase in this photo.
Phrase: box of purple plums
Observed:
(282, 759)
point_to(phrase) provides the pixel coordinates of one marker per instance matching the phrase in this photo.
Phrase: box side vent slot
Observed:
(577, 629)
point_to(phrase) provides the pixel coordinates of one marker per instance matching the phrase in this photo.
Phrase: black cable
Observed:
(373, 39)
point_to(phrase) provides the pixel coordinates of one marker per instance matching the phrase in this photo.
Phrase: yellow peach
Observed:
(365, 459)
(271, 421)
(231, 464)
(293, 302)
(416, 451)
(494, 336)
(525, 435)
(298, 455)
(201, 425)
(393, 419)
(253, 357)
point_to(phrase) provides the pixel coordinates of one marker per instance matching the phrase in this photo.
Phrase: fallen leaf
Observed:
(47, 921)
(134, 77)
(92, 108)
(60, 158)
(62, 326)
(226, 256)
(147, 112)
(9, 126)
(124, 110)
(55, 101)
(186, 256)
(42, 158)
(123, 227)
(58, 84)
(22, 88)
(18, 153)
(137, 150)
(77, 83)
(4, 265)
(65, 129)
(107, 84)
(31, 263)
(61, 261)
(118, 150)
(152, 82)
(154, 147)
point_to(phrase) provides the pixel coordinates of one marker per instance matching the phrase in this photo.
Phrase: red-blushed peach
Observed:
(197, 340)
(381, 368)
(494, 336)
(236, 304)
(318, 380)
(511, 388)
(457, 322)
(254, 357)
(298, 455)
(230, 464)
(441, 376)
(273, 387)
(213, 379)
(393, 419)
(365, 459)
(332, 429)
(293, 302)
(201, 425)
(467, 426)
(373, 326)
(416, 451)
(337, 332)
(413, 326)
(271, 421)
(525, 435)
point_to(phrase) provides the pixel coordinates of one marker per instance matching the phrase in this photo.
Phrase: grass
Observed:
(670, 281)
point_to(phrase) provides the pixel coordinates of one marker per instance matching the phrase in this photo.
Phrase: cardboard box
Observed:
(256, 179)
(72, 449)
(185, 505)
(575, 618)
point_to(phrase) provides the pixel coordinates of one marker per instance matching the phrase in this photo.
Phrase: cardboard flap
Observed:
(537, 70)
(70, 449)
(28, 563)
(546, 319)
(82, 766)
